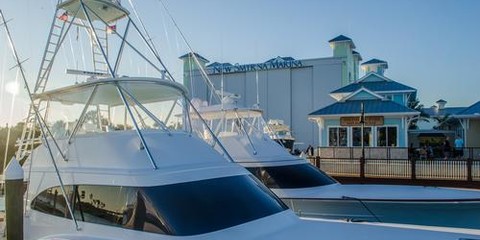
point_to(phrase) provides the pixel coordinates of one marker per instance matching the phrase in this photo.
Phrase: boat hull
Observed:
(448, 213)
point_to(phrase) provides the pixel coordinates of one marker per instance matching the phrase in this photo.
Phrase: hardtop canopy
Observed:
(146, 90)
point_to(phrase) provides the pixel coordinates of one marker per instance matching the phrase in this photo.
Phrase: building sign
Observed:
(355, 121)
(254, 67)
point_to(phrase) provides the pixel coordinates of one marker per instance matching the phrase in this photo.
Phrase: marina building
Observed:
(384, 103)
(469, 119)
(283, 87)
(450, 122)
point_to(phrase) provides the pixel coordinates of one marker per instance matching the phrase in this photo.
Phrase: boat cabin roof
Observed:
(228, 111)
(146, 90)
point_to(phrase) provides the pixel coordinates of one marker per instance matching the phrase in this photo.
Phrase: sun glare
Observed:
(12, 88)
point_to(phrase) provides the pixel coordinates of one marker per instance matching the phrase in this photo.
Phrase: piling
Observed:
(13, 177)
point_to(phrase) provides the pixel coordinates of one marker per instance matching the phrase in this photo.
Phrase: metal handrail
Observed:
(137, 129)
(151, 115)
(242, 126)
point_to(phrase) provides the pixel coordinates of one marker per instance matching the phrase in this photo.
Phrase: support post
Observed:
(413, 168)
(14, 200)
(469, 169)
(362, 167)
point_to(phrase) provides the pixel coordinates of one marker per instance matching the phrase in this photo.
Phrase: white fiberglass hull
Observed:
(393, 204)
(284, 225)
(447, 214)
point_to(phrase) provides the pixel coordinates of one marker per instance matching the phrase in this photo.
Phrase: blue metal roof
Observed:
(472, 110)
(443, 112)
(196, 54)
(340, 38)
(371, 107)
(377, 86)
(373, 61)
(358, 54)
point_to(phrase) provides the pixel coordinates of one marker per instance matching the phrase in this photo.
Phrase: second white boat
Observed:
(312, 193)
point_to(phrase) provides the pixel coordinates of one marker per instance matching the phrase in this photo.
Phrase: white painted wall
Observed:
(289, 94)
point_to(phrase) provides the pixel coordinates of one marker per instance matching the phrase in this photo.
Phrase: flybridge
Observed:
(217, 69)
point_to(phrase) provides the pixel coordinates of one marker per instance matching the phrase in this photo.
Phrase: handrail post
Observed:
(469, 169)
(413, 167)
(362, 167)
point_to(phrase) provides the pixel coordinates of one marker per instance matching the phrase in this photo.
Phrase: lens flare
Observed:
(12, 88)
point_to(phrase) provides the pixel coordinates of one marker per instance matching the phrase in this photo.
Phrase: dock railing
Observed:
(396, 163)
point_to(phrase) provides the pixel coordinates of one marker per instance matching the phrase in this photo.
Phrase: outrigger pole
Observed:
(43, 127)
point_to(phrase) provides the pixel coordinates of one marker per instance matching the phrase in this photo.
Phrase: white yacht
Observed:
(141, 178)
(311, 193)
(280, 133)
(115, 162)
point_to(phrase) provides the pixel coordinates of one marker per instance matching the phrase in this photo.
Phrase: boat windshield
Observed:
(231, 122)
(292, 176)
(101, 106)
(178, 209)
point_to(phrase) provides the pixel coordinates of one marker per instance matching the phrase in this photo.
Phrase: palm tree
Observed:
(8, 149)
(446, 122)
(415, 105)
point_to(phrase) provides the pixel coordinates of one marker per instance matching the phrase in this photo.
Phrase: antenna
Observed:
(202, 70)
(257, 104)
(222, 88)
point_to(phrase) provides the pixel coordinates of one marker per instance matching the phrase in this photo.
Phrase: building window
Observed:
(387, 136)
(337, 137)
(357, 136)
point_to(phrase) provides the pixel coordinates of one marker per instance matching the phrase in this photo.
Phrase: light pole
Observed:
(362, 122)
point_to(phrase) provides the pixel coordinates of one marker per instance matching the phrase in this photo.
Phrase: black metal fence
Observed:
(397, 163)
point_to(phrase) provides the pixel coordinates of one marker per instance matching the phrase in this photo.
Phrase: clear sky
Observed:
(431, 45)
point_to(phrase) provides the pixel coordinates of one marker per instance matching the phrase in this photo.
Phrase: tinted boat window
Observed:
(178, 209)
(291, 176)
(52, 201)
(108, 205)
(214, 204)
